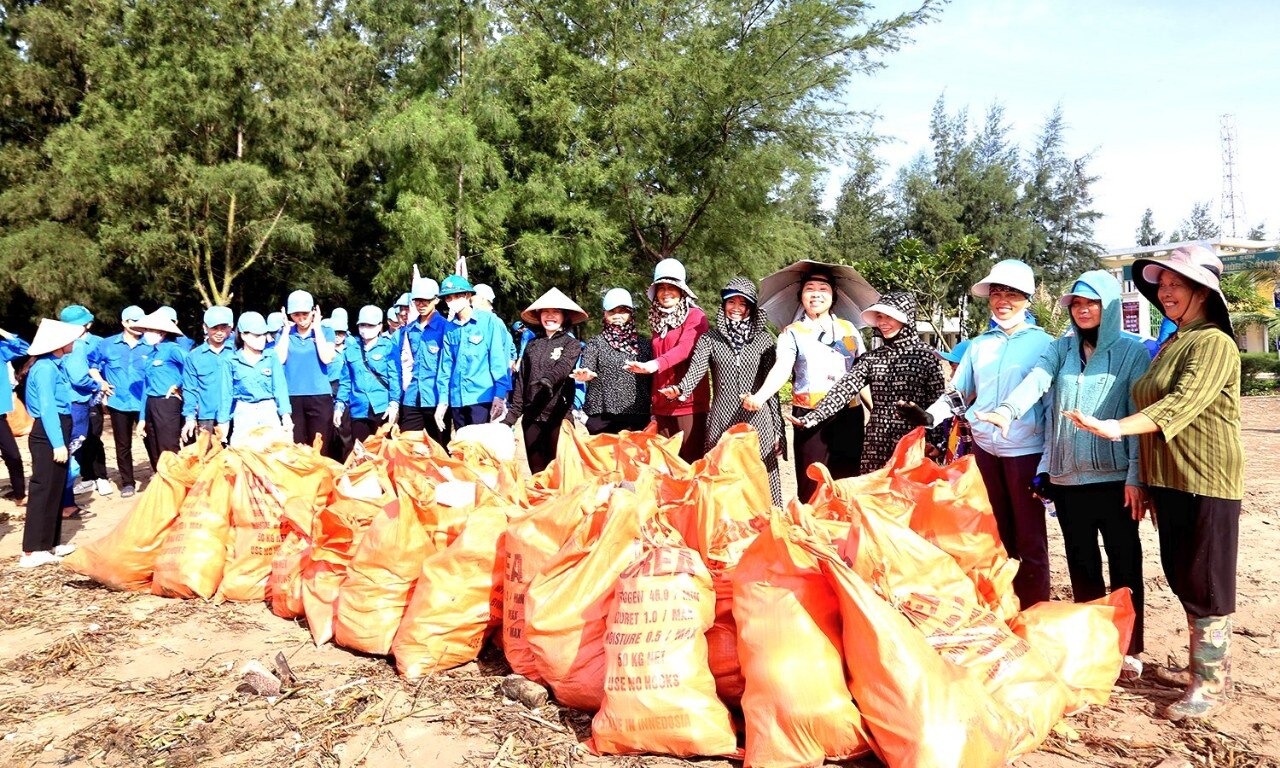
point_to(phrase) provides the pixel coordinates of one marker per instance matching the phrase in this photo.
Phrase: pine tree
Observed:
(1147, 234)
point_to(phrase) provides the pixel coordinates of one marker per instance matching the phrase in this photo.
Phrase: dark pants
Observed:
(1084, 512)
(540, 441)
(466, 415)
(837, 443)
(340, 447)
(164, 427)
(122, 424)
(42, 529)
(694, 427)
(12, 458)
(1199, 539)
(312, 415)
(92, 455)
(418, 417)
(1020, 520)
(362, 428)
(614, 423)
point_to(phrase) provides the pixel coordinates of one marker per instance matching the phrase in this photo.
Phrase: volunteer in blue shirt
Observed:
(202, 376)
(368, 379)
(182, 340)
(86, 406)
(475, 364)
(255, 393)
(11, 348)
(49, 402)
(996, 362)
(306, 350)
(161, 424)
(340, 446)
(275, 324)
(418, 348)
(118, 365)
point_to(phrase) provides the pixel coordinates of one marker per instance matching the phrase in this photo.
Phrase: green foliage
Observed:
(1050, 315)
(931, 274)
(1199, 225)
(1147, 233)
(1259, 373)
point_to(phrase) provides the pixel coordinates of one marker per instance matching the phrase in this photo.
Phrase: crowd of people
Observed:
(1088, 420)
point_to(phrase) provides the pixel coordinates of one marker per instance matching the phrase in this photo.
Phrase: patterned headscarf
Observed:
(661, 321)
(906, 304)
(738, 333)
(622, 337)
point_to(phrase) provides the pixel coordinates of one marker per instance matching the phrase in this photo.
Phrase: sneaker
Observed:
(36, 559)
(105, 488)
(126, 491)
(62, 550)
(84, 486)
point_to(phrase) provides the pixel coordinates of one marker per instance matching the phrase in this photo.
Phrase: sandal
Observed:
(76, 514)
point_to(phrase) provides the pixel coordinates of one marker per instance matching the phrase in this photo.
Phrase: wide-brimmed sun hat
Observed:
(1011, 273)
(53, 335)
(1197, 264)
(554, 299)
(899, 305)
(158, 321)
(669, 272)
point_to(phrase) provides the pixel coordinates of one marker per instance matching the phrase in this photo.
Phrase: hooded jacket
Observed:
(1099, 388)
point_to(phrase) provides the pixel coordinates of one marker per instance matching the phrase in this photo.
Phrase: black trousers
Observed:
(1084, 512)
(122, 424)
(466, 415)
(92, 455)
(694, 427)
(614, 423)
(164, 427)
(418, 417)
(340, 447)
(312, 415)
(1020, 520)
(1199, 541)
(837, 443)
(42, 529)
(362, 429)
(12, 458)
(540, 441)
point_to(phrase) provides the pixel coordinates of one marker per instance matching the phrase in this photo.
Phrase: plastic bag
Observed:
(257, 510)
(194, 553)
(1084, 642)
(284, 585)
(729, 484)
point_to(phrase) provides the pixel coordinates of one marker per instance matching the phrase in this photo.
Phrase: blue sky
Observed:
(1142, 86)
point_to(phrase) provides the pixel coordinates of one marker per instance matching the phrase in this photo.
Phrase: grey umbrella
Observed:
(780, 292)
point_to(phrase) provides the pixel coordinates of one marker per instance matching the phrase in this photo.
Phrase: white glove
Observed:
(337, 414)
(188, 430)
(498, 410)
(393, 412)
(441, 410)
(580, 417)
(286, 423)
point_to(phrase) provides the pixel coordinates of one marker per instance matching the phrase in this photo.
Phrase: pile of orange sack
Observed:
(668, 599)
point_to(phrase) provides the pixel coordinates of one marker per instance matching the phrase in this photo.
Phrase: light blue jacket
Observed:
(368, 377)
(475, 362)
(1099, 388)
(10, 349)
(993, 366)
(416, 385)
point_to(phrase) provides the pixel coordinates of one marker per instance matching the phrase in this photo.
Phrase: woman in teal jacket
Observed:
(369, 380)
(1093, 481)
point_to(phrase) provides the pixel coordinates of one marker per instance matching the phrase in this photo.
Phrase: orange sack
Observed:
(659, 695)
(532, 539)
(125, 558)
(1084, 642)
(257, 510)
(446, 619)
(567, 605)
(284, 585)
(796, 703)
(194, 553)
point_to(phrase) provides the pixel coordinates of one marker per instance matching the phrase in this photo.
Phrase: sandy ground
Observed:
(93, 677)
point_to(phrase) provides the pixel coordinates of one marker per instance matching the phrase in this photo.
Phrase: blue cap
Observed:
(1081, 289)
(455, 284)
(252, 322)
(403, 301)
(299, 301)
(132, 314)
(369, 315)
(76, 315)
(169, 312)
(215, 316)
(956, 353)
(275, 322)
(338, 320)
(393, 313)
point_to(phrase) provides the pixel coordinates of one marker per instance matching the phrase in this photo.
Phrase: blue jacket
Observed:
(202, 385)
(368, 377)
(991, 368)
(417, 384)
(162, 368)
(76, 364)
(10, 349)
(1099, 388)
(49, 396)
(475, 364)
(122, 366)
(252, 383)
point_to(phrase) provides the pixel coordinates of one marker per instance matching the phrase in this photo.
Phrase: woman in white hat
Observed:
(160, 426)
(48, 400)
(902, 368)
(1191, 459)
(255, 393)
(677, 324)
(542, 392)
(617, 399)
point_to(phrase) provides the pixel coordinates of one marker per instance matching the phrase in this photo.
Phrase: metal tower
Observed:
(1232, 216)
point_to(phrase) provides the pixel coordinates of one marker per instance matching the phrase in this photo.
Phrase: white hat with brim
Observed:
(652, 292)
(1197, 264)
(1010, 272)
(158, 321)
(53, 335)
(868, 314)
(670, 272)
(554, 299)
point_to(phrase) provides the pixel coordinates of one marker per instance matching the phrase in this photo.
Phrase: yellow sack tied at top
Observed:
(194, 553)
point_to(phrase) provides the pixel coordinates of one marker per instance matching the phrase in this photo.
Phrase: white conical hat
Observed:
(158, 321)
(554, 299)
(53, 334)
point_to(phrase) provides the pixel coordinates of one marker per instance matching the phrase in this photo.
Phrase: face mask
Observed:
(1013, 322)
(152, 337)
(457, 305)
(368, 332)
(255, 342)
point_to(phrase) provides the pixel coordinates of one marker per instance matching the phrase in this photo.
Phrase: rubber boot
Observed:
(1210, 670)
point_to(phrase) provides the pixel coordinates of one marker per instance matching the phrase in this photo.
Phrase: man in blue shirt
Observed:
(86, 406)
(202, 375)
(475, 363)
(418, 346)
(306, 350)
(117, 365)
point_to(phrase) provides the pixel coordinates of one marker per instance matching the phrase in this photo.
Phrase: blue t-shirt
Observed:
(49, 396)
(76, 364)
(254, 382)
(368, 376)
(303, 371)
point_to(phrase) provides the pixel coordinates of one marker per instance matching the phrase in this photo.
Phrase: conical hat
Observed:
(158, 321)
(52, 335)
(554, 299)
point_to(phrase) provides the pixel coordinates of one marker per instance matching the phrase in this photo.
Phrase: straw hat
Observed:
(554, 299)
(158, 321)
(1197, 264)
(53, 335)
